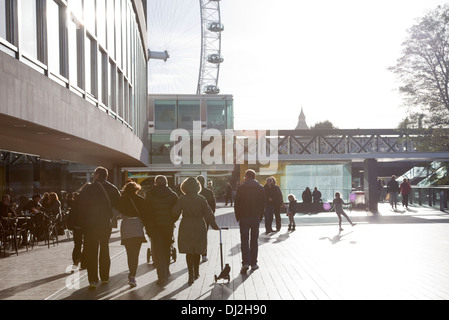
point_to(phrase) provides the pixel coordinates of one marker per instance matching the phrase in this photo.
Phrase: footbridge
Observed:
(369, 146)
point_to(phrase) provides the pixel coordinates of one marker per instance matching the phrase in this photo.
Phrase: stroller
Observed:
(173, 252)
(225, 272)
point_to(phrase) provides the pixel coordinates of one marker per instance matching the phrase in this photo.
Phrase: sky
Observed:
(329, 57)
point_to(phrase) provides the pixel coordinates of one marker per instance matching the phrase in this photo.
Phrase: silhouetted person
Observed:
(393, 189)
(161, 200)
(249, 210)
(192, 234)
(97, 201)
(273, 203)
(316, 195)
(337, 204)
(210, 197)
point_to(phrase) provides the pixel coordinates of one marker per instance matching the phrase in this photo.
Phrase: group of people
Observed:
(40, 207)
(394, 189)
(96, 204)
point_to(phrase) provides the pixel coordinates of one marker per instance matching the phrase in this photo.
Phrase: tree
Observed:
(323, 125)
(424, 69)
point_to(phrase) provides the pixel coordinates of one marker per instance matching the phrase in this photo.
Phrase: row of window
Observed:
(90, 46)
(173, 114)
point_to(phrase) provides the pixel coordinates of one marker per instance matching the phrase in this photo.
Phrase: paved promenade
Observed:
(390, 255)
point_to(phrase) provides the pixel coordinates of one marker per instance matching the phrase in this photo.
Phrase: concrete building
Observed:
(196, 116)
(73, 89)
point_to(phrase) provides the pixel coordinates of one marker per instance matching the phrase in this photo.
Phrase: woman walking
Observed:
(132, 207)
(192, 235)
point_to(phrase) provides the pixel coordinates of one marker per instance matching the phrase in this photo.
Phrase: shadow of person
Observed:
(337, 238)
(282, 237)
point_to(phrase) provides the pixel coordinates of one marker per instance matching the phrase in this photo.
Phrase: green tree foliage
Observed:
(423, 69)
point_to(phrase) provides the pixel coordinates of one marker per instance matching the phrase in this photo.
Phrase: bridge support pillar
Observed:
(370, 184)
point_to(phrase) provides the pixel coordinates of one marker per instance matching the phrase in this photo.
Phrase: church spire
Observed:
(302, 124)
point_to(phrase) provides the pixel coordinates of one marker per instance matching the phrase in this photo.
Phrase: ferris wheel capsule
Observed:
(216, 26)
(211, 89)
(215, 58)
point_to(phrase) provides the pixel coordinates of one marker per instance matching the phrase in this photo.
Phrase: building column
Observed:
(370, 184)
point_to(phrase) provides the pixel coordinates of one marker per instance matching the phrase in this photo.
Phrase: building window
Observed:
(188, 111)
(118, 33)
(160, 148)
(75, 52)
(112, 87)
(102, 77)
(55, 37)
(6, 20)
(216, 114)
(110, 28)
(101, 22)
(120, 94)
(90, 16)
(29, 28)
(91, 65)
(165, 115)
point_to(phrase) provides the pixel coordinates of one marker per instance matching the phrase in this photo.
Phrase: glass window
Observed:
(112, 87)
(118, 33)
(120, 95)
(102, 77)
(75, 72)
(188, 111)
(230, 115)
(90, 65)
(101, 22)
(54, 37)
(110, 28)
(89, 15)
(165, 115)
(28, 35)
(216, 114)
(327, 178)
(160, 149)
(6, 26)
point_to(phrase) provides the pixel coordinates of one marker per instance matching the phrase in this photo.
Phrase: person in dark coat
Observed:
(160, 201)
(192, 235)
(307, 196)
(5, 207)
(392, 190)
(132, 207)
(74, 224)
(210, 197)
(273, 203)
(97, 201)
(316, 195)
(228, 196)
(249, 210)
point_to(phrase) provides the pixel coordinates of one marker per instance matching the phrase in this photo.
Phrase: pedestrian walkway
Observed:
(399, 254)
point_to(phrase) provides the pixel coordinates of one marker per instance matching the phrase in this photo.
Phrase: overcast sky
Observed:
(329, 57)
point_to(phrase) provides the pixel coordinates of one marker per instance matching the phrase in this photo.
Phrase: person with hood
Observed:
(160, 223)
(249, 208)
(192, 234)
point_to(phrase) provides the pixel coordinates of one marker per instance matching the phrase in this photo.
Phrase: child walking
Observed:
(338, 205)
(291, 212)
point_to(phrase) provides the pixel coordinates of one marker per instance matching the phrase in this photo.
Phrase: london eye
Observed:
(184, 37)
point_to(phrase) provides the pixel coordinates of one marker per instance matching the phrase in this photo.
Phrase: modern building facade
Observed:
(73, 88)
(197, 115)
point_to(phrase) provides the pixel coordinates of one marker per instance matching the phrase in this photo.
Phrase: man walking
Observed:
(210, 197)
(249, 208)
(161, 200)
(96, 203)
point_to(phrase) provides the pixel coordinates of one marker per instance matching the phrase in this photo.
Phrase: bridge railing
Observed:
(354, 141)
(436, 197)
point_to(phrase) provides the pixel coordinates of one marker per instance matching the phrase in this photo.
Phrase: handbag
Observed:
(132, 226)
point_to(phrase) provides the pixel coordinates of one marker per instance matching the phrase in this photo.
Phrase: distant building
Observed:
(302, 124)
